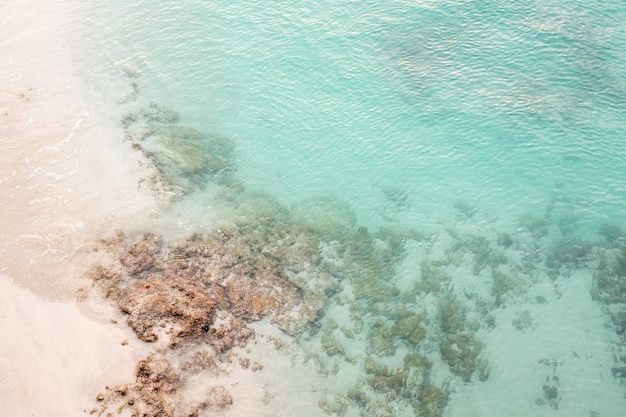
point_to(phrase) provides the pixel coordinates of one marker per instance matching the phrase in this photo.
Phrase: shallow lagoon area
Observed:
(365, 208)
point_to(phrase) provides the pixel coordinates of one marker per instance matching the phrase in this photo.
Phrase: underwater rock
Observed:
(408, 327)
(619, 371)
(505, 240)
(461, 352)
(372, 368)
(331, 345)
(550, 394)
(141, 255)
(252, 298)
(393, 383)
(432, 402)
(333, 407)
(567, 256)
(156, 392)
(536, 226)
(502, 285)
(524, 321)
(155, 113)
(229, 332)
(381, 339)
(360, 398)
(619, 321)
(451, 315)
(612, 232)
(185, 308)
(381, 345)
(184, 158)
(609, 287)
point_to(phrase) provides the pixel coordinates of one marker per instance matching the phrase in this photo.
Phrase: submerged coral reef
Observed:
(406, 311)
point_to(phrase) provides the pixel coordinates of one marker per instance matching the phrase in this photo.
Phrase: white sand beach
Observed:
(60, 186)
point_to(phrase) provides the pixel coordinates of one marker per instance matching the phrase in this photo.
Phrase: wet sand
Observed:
(61, 184)
(65, 176)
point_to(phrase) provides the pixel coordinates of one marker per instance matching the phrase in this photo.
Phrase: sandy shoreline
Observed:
(61, 184)
(63, 179)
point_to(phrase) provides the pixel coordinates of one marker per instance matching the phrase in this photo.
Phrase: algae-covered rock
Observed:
(502, 285)
(331, 345)
(333, 406)
(451, 316)
(550, 394)
(432, 278)
(524, 321)
(381, 339)
(408, 327)
(372, 368)
(567, 256)
(461, 353)
(609, 287)
(393, 383)
(381, 345)
(360, 398)
(184, 157)
(196, 152)
(432, 402)
(155, 113)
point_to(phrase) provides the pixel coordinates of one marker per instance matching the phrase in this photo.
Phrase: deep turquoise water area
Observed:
(499, 117)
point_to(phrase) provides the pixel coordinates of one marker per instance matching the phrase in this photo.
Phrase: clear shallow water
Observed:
(431, 115)
(503, 105)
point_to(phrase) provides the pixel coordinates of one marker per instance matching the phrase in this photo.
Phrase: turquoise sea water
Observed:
(476, 116)
(506, 105)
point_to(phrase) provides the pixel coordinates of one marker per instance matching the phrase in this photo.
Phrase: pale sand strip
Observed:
(63, 181)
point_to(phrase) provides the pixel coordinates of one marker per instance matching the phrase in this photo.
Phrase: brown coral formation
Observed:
(152, 393)
(141, 255)
(181, 287)
(187, 309)
(202, 290)
(156, 393)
